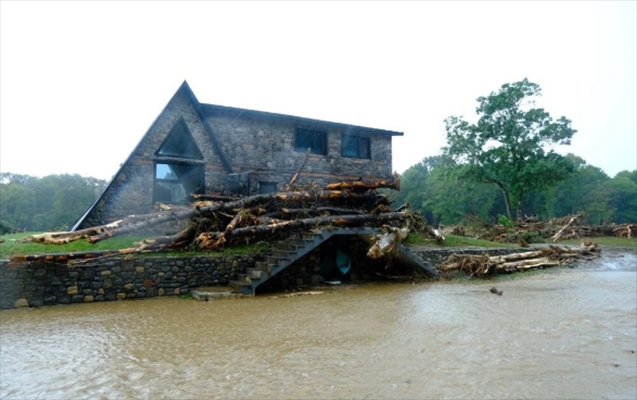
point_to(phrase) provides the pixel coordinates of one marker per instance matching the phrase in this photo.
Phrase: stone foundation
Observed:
(37, 283)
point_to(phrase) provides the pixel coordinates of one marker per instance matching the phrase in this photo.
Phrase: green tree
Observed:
(414, 186)
(506, 147)
(623, 198)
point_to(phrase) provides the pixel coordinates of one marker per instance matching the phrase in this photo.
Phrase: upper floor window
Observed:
(355, 146)
(314, 140)
(180, 143)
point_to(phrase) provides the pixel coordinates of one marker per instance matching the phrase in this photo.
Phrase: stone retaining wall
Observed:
(34, 284)
(39, 283)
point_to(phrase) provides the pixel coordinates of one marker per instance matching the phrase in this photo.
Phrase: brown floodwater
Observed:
(561, 333)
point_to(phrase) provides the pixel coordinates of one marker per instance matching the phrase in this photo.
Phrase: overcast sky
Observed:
(81, 82)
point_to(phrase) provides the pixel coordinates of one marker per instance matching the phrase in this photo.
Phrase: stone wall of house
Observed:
(36, 284)
(131, 190)
(260, 144)
(266, 147)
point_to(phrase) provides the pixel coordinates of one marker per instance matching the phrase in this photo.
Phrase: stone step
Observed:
(281, 254)
(254, 273)
(239, 283)
(265, 266)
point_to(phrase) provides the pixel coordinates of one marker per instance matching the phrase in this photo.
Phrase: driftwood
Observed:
(484, 265)
(561, 231)
(213, 222)
(363, 184)
(387, 242)
(212, 240)
(295, 294)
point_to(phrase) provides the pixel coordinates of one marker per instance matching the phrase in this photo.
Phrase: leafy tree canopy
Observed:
(507, 146)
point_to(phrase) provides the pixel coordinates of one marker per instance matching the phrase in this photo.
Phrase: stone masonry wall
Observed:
(266, 147)
(262, 145)
(38, 284)
(131, 190)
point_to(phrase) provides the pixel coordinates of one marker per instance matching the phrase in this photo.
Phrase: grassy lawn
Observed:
(11, 247)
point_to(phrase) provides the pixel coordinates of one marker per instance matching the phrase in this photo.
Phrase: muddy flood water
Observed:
(561, 333)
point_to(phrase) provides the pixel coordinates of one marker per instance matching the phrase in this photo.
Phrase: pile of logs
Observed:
(215, 222)
(569, 227)
(484, 265)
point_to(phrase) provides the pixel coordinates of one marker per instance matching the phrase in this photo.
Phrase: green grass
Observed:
(606, 241)
(11, 247)
(452, 241)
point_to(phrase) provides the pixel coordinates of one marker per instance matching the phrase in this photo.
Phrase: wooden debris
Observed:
(561, 231)
(495, 290)
(484, 265)
(295, 294)
(387, 242)
(298, 173)
(213, 222)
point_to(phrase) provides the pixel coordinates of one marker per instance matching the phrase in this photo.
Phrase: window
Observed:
(267, 187)
(355, 146)
(180, 143)
(315, 140)
(173, 182)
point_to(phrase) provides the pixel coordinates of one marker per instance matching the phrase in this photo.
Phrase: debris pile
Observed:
(214, 222)
(484, 265)
(530, 229)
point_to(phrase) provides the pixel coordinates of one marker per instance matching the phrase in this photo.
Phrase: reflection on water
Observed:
(567, 333)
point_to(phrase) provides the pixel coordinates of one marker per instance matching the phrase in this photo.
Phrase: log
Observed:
(561, 231)
(288, 212)
(387, 242)
(365, 184)
(298, 172)
(211, 240)
(162, 242)
(57, 257)
(482, 265)
(208, 208)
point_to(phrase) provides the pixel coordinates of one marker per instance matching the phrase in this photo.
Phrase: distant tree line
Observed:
(438, 189)
(43, 204)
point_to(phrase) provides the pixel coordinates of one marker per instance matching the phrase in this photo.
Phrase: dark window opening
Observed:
(180, 143)
(355, 146)
(174, 182)
(267, 187)
(315, 140)
(238, 184)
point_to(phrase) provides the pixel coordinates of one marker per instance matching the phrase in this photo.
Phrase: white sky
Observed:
(81, 82)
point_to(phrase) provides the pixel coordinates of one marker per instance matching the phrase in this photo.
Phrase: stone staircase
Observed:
(298, 246)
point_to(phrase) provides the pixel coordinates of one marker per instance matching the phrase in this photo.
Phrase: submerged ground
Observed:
(559, 333)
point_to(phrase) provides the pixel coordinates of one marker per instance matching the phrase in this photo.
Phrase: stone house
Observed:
(194, 147)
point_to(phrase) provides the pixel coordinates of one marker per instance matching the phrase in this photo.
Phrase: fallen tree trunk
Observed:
(483, 265)
(211, 240)
(298, 173)
(364, 184)
(561, 231)
(57, 257)
(387, 243)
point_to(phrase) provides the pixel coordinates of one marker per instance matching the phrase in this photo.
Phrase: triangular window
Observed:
(180, 143)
